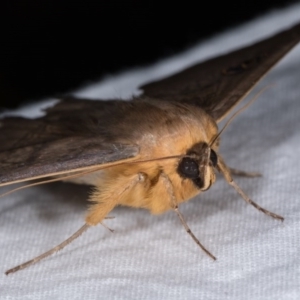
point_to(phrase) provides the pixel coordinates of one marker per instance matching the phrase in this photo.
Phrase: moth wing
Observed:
(73, 136)
(218, 84)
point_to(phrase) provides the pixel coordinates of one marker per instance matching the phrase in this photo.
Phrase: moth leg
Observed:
(106, 200)
(57, 248)
(221, 166)
(96, 216)
(174, 205)
(51, 251)
(243, 173)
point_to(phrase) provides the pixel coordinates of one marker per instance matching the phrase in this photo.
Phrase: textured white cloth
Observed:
(151, 257)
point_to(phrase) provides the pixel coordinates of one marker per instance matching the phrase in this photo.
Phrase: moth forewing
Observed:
(154, 152)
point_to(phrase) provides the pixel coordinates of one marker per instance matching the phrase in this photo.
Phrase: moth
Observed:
(155, 152)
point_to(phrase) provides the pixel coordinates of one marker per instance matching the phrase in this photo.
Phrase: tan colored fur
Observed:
(140, 184)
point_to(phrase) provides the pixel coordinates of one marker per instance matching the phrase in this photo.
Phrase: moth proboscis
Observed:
(155, 152)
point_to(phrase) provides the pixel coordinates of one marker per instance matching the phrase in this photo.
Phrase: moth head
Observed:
(198, 164)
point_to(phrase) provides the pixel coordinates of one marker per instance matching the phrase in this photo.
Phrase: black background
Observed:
(49, 47)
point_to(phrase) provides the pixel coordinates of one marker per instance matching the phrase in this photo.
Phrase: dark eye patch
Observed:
(188, 168)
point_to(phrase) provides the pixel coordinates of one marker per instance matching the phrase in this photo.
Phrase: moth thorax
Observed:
(197, 165)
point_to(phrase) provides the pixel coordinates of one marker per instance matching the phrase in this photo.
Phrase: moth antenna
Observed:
(174, 206)
(157, 158)
(46, 181)
(83, 173)
(238, 112)
(226, 173)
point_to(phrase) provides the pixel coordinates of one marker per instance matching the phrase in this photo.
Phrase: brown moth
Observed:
(154, 152)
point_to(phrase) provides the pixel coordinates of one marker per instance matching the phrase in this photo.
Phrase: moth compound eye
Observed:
(213, 157)
(188, 168)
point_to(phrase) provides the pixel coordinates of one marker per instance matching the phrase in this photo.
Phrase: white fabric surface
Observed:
(151, 257)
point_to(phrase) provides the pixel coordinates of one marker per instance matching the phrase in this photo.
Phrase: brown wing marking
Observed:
(218, 84)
